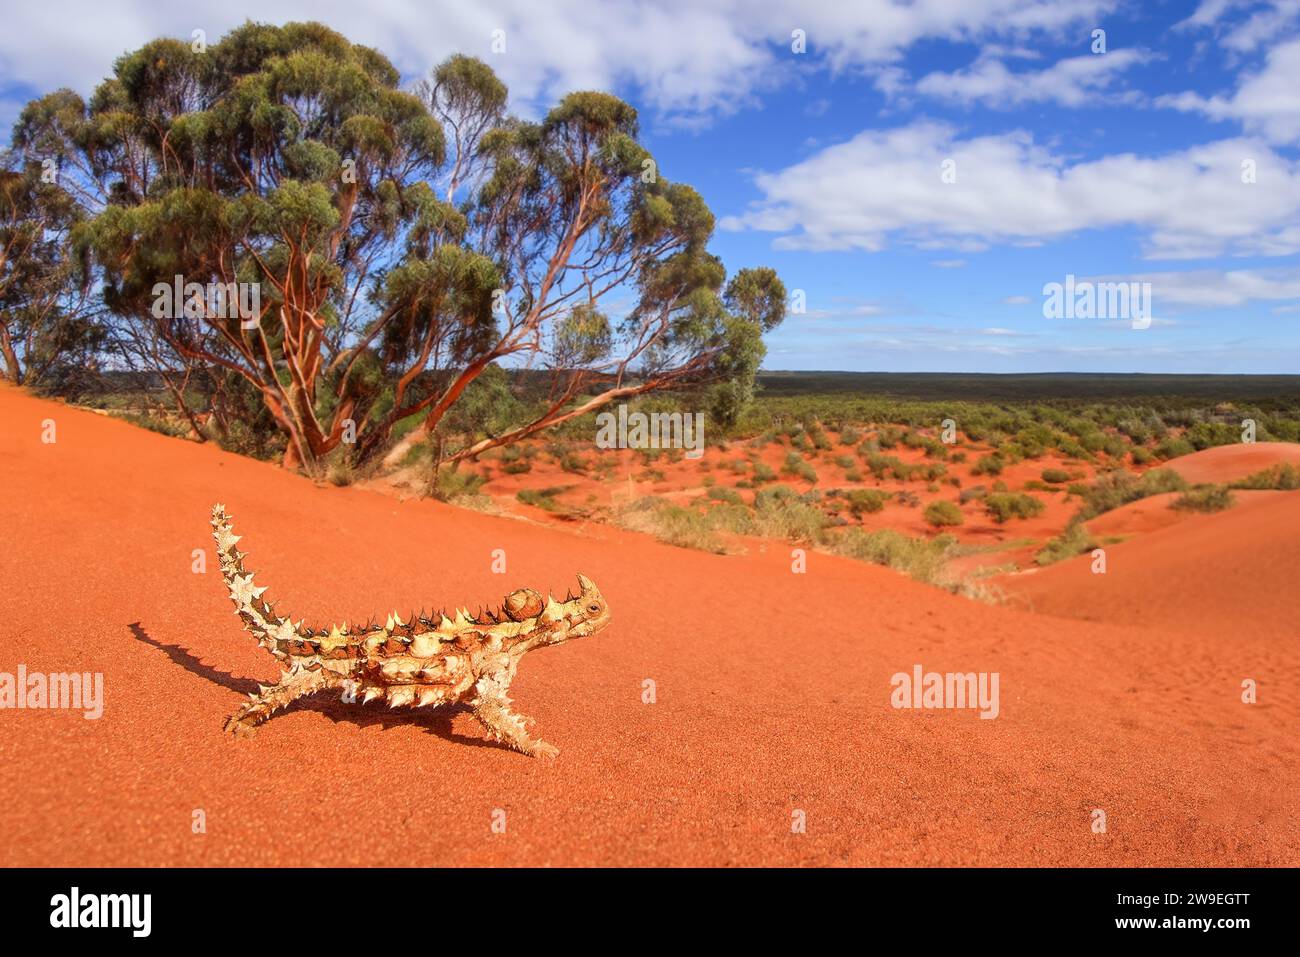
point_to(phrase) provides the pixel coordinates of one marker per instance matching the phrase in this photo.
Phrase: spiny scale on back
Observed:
(418, 660)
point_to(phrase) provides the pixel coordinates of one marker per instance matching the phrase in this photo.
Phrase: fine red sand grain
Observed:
(772, 688)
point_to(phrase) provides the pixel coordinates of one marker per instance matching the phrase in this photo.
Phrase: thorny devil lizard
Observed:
(426, 661)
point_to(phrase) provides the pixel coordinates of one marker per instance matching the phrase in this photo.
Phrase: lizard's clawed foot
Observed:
(541, 749)
(240, 728)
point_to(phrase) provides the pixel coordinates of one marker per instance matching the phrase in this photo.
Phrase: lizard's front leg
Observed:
(492, 708)
(293, 684)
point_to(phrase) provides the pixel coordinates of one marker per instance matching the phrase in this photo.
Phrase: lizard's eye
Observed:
(593, 608)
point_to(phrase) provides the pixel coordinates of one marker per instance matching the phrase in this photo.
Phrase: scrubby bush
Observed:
(1172, 448)
(1011, 453)
(720, 494)
(733, 518)
(796, 467)
(941, 514)
(573, 462)
(921, 558)
(863, 500)
(1204, 498)
(153, 423)
(672, 524)
(515, 460)
(1138, 431)
(1113, 489)
(1072, 449)
(781, 512)
(1035, 439)
(543, 498)
(1205, 435)
(1004, 506)
(449, 484)
(1055, 476)
(1285, 477)
(1075, 540)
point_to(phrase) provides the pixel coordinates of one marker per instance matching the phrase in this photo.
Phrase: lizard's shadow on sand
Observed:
(437, 721)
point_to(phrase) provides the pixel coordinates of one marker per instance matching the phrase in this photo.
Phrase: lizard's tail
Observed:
(271, 631)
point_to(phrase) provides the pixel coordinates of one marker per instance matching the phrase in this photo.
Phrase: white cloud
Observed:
(851, 312)
(885, 187)
(1078, 81)
(1266, 103)
(1210, 12)
(1263, 26)
(681, 56)
(1264, 23)
(1218, 288)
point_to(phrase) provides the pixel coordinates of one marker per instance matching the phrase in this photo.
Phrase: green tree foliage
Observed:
(403, 242)
(44, 322)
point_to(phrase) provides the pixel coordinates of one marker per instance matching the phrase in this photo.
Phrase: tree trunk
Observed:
(554, 418)
(439, 409)
(291, 460)
(178, 396)
(12, 372)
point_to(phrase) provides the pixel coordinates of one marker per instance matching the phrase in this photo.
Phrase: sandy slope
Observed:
(1227, 463)
(773, 692)
(1231, 572)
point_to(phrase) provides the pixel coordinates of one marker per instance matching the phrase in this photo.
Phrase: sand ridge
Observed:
(1227, 463)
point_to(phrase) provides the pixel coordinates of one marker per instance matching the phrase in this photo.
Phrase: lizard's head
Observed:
(578, 617)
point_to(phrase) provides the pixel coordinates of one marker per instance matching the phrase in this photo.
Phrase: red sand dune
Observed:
(1227, 463)
(1230, 573)
(773, 690)
(1151, 514)
(1137, 518)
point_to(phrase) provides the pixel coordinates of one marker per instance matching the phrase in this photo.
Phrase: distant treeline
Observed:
(1037, 387)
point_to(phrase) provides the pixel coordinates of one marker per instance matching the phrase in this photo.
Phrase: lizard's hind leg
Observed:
(296, 683)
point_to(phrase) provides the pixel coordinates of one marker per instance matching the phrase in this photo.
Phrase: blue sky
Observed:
(1125, 164)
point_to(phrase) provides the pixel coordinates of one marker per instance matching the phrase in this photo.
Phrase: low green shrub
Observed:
(1004, 506)
(942, 514)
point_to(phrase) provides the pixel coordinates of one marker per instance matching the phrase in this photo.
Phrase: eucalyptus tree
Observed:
(400, 242)
(281, 159)
(44, 314)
